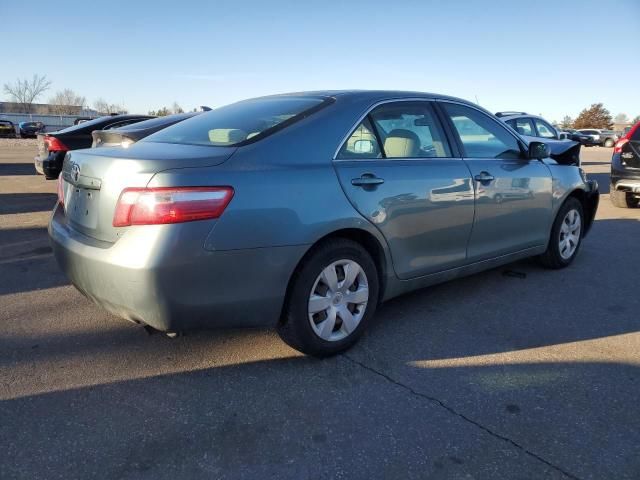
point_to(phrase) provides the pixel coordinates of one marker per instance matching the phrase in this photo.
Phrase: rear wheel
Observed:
(332, 296)
(566, 235)
(622, 199)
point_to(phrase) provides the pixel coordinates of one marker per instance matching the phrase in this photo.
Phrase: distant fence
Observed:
(51, 122)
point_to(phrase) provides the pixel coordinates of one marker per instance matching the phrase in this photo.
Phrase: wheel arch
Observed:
(373, 245)
(589, 206)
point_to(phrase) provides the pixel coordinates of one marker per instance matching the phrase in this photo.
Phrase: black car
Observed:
(52, 147)
(125, 136)
(625, 170)
(30, 129)
(576, 136)
(7, 129)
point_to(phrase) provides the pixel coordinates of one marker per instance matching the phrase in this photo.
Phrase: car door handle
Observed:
(484, 177)
(367, 180)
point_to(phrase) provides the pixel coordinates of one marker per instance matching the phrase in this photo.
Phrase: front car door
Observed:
(398, 170)
(513, 193)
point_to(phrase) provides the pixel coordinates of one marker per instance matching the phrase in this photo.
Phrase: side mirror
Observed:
(538, 150)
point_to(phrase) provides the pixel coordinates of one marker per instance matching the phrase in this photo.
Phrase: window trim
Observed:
(499, 123)
(431, 103)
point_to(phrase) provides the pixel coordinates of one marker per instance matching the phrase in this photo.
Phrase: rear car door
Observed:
(398, 170)
(512, 193)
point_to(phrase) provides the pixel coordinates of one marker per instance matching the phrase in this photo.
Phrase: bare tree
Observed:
(66, 102)
(176, 108)
(25, 91)
(102, 106)
(621, 118)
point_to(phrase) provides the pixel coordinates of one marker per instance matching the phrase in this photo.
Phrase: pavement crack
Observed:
(460, 415)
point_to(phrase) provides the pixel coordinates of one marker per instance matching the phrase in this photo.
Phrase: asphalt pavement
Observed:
(516, 373)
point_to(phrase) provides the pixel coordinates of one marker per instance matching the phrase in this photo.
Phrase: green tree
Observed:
(567, 122)
(636, 120)
(621, 118)
(596, 116)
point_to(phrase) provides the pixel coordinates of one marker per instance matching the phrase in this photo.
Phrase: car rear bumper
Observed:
(176, 290)
(51, 166)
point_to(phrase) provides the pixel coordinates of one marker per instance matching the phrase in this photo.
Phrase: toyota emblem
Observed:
(75, 172)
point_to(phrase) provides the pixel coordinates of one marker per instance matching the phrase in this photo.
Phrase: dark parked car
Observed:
(130, 134)
(52, 147)
(305, 211)
(576, 136)
(30, 129)
(625, 170)
(7, 129)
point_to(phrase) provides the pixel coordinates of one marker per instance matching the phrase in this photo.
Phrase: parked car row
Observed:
(305, 211)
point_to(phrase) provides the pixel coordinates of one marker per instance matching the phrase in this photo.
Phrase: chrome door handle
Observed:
(367, 180)
(484, 177)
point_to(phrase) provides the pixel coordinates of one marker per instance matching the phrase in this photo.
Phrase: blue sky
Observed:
(549, 57)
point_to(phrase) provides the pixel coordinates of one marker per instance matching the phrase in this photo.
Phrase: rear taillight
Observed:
(60, 190)
(617, 148)
(55, 145)
(154, 206)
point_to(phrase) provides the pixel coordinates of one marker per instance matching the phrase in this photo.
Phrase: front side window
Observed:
(240, 122)
(523, 126)
(480, 135)
(397, 130)
(544, 129)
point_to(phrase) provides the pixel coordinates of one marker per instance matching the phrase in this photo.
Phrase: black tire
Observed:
(609, 142)
(295, 327)
(622, 199)
(552, 257)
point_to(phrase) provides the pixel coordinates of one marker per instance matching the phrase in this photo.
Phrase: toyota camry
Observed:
(305, 211)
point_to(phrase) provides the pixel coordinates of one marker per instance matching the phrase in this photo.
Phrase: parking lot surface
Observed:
(518, 372)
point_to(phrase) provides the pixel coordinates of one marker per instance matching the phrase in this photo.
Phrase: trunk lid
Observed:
(93, 179)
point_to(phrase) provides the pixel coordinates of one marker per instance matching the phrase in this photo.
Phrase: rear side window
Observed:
(480, 135)
(241, 122)
(397, 130)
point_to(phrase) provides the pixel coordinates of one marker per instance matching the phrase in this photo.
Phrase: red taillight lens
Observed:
(617, 148)
(60, 190)
(55, 145)
(154, 206)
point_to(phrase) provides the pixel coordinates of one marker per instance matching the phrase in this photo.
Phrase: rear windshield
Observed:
(89, 123)
(157, 122)
(5, 122)
(635, 136)
(241, 122)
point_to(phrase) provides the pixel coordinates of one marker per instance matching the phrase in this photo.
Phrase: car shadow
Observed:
(604, 181)
(16, 169)
(26, 202)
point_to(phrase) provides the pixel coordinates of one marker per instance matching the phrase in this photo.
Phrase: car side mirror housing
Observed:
(538, 150)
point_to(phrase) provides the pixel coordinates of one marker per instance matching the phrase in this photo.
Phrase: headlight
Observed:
(126, 142)
(583, 174)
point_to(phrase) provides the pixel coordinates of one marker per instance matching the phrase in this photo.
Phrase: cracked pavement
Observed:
(492, 376)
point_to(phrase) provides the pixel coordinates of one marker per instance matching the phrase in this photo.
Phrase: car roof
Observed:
(374, 95)
(520, 115)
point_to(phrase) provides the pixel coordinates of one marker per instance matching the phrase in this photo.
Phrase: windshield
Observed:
(240, 122)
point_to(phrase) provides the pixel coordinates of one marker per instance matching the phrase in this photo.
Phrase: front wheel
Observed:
(332, 296)
(609, 142)
(566, 235)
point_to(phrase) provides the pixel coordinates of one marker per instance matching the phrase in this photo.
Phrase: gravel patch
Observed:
(18, 142)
